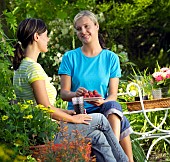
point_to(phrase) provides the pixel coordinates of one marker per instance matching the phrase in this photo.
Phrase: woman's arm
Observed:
(41, 97)
(66, 94)
(113, 89)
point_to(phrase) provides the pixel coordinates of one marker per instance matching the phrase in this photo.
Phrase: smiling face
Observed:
(86, 30)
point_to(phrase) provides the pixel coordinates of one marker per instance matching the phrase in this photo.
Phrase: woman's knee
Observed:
(97, 137)
(99, 122)
(112, 107)
(98, 118)
(125, 128)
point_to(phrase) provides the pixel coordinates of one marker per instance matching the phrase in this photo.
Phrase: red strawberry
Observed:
(86, 95)
(95, 92)
(91, 94)
(98, 95)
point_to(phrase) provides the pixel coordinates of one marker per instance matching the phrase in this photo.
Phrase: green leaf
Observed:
(61, 14)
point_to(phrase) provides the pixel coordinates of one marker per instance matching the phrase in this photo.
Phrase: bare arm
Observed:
(113, 89)
(66, 94)
(41, 97)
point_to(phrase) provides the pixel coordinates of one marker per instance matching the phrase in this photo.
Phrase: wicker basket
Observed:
(149, 104)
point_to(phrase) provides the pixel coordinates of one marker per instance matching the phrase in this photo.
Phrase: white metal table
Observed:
(164, 134)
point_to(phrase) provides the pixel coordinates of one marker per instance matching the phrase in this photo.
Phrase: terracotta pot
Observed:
(39, 152)
(42, 152)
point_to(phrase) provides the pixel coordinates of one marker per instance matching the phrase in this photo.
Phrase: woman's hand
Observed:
(80, 91)
(98, 102)
(70, 112)
(82, 119)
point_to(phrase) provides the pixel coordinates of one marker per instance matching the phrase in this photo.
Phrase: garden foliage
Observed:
(137, 30)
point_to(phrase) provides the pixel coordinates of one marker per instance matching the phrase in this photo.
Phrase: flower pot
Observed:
(53, 151)
(157, 93)
(165, 91)
(39, 152)
(143, 97)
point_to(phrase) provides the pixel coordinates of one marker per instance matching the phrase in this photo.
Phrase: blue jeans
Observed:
(113, 107)
(104, 143)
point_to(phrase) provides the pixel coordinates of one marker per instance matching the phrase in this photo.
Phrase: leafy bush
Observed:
(24, 125)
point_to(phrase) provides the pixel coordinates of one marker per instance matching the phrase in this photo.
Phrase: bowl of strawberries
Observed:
(92, 96)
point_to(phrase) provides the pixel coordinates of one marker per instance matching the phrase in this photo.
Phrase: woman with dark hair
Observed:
(93, 67)
(34, 84)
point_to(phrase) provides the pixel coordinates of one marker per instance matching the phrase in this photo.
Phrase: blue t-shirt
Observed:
(92, 73)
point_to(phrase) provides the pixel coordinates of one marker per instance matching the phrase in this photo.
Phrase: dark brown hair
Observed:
(25, 35)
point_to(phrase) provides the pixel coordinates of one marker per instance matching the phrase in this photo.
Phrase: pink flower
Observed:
(156, 74)
(167, 76)
(164, 75)
(164, 69)
(159, 78)
(168, 71)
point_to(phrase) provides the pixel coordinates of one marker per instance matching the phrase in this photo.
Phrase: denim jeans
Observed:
(104, 143)
(113, 107)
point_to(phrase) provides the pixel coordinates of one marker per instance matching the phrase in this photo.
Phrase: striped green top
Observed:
(28, 72)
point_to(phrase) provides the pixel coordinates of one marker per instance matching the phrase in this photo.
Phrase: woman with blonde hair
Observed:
(93, 67)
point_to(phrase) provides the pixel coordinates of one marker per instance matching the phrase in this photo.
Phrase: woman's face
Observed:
(86, 30)
(43, 42)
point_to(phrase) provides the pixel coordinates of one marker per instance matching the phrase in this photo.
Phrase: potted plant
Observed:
(161, 80)
(77, 150)
(143, 79)
(24, 125)
(29, 130)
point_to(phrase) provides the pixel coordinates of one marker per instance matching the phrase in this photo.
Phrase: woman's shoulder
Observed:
(30, 65)
(109, 53)
(72, 54)
(73, 51)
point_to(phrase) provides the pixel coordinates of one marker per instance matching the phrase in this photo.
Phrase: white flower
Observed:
(59, 54)
(133, 93)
